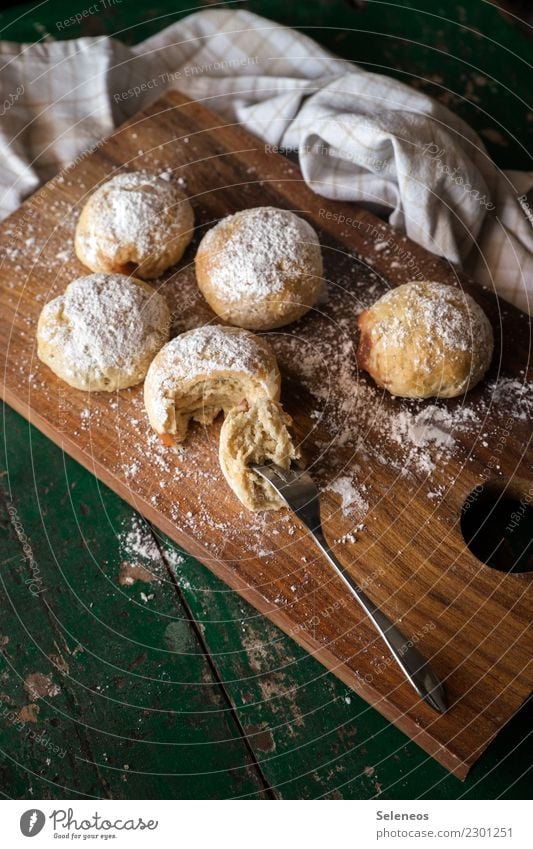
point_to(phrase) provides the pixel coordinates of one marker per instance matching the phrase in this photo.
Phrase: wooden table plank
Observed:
(138, 712)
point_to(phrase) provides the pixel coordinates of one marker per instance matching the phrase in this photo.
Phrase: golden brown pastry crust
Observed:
(260, 268)
(424, 340)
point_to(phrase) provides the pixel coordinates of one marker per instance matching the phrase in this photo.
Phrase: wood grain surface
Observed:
(398, 530)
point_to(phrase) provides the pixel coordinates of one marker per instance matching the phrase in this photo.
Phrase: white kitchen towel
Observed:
(360, 136)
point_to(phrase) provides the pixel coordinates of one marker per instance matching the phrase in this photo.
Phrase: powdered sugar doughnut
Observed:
(136, 223)
(204, 371)
(260, 268)
(103, 332)
(425, 339)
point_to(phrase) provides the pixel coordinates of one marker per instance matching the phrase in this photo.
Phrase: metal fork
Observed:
(299, 492)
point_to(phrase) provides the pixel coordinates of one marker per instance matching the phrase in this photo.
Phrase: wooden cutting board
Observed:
(394, 474)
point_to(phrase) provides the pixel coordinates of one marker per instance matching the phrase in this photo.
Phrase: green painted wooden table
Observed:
(115, 686)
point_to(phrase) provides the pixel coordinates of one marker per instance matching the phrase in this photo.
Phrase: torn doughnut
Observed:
(255, 434)
(203, 372)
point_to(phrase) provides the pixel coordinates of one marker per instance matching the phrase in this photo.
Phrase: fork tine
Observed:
(284, 476)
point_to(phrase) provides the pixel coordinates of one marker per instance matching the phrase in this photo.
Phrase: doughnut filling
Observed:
(204, 371)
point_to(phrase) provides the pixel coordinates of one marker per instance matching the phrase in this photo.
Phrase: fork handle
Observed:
(411, 662)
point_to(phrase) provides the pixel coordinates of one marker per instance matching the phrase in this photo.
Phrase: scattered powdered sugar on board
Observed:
(357, 424)
(170, 473)
(431, 426)
(509, 392)
(352, 502)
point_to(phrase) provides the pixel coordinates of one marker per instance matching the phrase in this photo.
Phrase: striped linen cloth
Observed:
(360, 136)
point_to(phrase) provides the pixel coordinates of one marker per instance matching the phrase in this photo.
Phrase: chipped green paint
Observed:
(135, 712)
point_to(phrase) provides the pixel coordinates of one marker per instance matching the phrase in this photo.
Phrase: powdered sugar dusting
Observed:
(136, 542)
(352, 502)
(139, 546)
(436, 312)
(209, 349)
(355, 428)
(263, 248)
(511, 392)
(430, 426)
(358, 425)
(103, 322)
(126, 213)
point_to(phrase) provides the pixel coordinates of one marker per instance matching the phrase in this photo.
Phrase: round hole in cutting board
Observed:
(497, 525)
